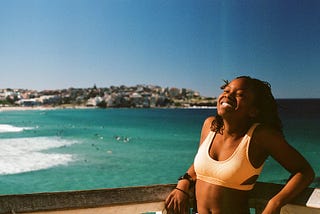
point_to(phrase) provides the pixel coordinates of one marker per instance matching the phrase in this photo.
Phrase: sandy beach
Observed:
(41, 108)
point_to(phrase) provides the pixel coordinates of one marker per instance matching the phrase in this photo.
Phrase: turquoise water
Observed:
(77, 149)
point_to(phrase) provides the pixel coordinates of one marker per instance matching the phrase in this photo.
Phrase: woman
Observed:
(233, 148)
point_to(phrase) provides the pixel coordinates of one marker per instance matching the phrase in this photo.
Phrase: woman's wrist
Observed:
(188, 178)
(274, 205)
(183, 184)
(183, 191)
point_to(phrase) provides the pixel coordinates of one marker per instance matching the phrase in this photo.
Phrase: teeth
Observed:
(226, 104)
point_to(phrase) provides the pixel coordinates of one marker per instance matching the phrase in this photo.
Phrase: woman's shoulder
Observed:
(267, 135)
(206, 127)
(210, 119)
(263, 129)
(208, 122)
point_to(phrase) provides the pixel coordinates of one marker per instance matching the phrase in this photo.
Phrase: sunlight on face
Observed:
(237, 97)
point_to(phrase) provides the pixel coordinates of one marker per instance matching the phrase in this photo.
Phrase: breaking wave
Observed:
(19, 155)
(9, 128)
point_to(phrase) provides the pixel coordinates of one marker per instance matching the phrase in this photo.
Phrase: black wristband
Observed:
(184, 192)
(187, 177)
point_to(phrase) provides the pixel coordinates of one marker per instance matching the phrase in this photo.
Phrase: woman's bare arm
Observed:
(302, 174)
(177, 200)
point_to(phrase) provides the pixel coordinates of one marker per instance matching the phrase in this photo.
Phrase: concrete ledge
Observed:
(136, 200)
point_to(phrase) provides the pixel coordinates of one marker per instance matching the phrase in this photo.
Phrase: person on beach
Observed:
(233, 148)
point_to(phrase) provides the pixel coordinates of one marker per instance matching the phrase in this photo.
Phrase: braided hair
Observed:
(263, 101)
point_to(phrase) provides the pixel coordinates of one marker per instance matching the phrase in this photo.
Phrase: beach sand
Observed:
(25, 108)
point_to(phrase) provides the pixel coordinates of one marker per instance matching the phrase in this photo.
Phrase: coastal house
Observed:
(93, 102)
(28, 102)
(50, 99)
(2, 96)
(136, 99)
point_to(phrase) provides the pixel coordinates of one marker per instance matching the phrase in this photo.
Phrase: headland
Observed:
(139, 96)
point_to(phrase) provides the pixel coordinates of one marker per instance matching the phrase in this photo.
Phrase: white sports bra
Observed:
(232, 172)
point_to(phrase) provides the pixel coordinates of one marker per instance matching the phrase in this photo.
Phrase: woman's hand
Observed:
(272, 208)
(177, 202)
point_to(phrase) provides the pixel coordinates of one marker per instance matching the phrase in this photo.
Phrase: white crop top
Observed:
(232, 172)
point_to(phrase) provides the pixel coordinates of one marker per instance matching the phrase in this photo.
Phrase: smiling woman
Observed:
(260, 96)
(233, 148)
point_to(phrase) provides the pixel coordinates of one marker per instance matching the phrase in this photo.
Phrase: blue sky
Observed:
(55, 44)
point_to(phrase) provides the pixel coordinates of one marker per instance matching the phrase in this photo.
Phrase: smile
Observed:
(227, 105)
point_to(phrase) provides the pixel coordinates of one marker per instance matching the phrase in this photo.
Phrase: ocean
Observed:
(82, 149)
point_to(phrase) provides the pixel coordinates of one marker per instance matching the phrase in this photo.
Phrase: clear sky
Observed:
(195, 44)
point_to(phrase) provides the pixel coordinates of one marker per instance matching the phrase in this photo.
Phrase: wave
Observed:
(9, 128)
(20, 155)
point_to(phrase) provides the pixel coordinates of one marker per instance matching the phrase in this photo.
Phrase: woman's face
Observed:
(237, 99)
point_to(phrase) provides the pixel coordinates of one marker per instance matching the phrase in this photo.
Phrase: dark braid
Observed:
(263, 101)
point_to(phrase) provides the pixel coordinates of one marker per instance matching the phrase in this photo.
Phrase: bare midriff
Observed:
(214, 199)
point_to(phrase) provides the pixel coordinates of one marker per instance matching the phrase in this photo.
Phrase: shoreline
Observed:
(41, 108)
(281, 102)
(44, 108)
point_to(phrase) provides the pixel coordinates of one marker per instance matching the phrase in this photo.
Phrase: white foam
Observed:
(20, 155)
(9, 128)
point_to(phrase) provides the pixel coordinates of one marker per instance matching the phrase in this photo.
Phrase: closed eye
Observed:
(240, 95)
